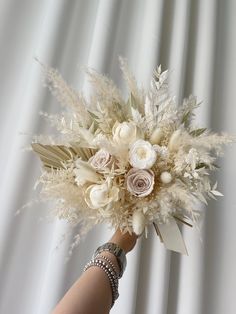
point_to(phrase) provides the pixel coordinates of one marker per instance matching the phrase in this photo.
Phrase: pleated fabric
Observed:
(196, 41)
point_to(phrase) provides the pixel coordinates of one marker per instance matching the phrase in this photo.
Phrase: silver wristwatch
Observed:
(115, 250)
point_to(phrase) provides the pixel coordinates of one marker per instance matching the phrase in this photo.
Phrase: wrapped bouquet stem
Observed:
(135, 163)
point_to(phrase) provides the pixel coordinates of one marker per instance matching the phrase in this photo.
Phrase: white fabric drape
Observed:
(196, 41)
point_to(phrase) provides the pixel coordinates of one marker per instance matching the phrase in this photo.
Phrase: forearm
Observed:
(91, 293)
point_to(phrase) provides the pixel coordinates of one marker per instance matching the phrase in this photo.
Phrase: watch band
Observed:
(115, 250)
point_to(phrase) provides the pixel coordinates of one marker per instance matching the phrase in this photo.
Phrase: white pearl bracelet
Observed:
(106, 265)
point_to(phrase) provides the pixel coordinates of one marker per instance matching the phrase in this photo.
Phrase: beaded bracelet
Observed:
(111, 274)
(115, 250)
(109, 262)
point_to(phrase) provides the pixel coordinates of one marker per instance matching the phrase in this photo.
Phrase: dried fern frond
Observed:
(131, 82)
(104, 88)
(65, 94)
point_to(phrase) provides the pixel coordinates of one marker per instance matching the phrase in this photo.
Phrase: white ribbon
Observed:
(171, 236)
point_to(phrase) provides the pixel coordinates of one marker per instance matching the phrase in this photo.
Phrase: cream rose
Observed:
(100, 195)
(102, 159)
(142, 155)
(140, 182)
(124, 133)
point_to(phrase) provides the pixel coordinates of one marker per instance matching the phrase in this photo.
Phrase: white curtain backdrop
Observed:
(196, 40)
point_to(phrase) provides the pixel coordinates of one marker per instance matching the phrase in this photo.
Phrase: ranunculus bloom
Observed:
(101, 159)
(142, 155)
(100, 195)
(140, 182)
(124, 133)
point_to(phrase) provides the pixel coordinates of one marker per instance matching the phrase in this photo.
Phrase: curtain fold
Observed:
(196, 41)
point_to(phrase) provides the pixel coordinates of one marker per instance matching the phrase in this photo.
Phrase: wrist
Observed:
(117, 251)
(125, 241)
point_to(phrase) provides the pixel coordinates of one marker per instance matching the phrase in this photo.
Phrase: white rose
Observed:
(124, 133)
(142, 155)
(140, 182)
(102, 159)
(100, 195)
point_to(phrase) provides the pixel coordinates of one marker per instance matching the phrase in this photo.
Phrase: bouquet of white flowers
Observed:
(131, 163)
